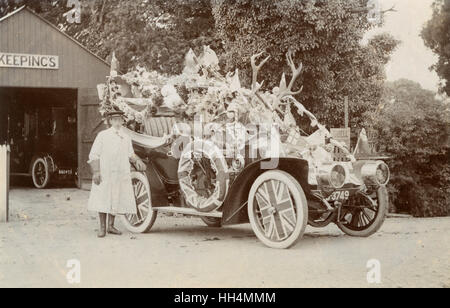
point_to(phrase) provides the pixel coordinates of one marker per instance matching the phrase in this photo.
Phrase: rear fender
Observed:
(235, 204)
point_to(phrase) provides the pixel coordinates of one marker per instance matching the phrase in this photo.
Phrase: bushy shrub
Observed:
(413, 128)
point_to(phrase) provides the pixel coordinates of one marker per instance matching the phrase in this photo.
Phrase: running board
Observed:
(186, 211)
(20, 174)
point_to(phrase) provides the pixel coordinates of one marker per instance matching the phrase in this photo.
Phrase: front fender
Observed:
(235, 204)
(48, 158)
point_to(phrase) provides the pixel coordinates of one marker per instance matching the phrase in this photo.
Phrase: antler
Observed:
(255, 69)
(296, 71)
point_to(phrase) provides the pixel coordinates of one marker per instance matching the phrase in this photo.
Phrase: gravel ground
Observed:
(50, 227)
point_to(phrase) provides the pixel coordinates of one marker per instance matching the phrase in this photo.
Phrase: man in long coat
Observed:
(112, 191)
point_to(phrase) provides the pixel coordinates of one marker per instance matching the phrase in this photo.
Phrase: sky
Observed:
(412, 59)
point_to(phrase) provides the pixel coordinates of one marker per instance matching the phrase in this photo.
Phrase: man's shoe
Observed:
(111, 229)
(102, 229)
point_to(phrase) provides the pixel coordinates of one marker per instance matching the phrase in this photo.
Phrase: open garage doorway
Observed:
(40, 125)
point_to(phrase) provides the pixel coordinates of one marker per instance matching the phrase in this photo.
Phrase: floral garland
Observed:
(199, 90)
(141, 84)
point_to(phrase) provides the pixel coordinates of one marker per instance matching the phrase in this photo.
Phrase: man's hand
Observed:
(95, 168)
(168, 138)
(140, 165)
(97, 178)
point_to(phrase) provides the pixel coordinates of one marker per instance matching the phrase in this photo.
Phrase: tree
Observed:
(324, 35)
(414, 128)
(436, 35)
(156, 33)
(7, 6)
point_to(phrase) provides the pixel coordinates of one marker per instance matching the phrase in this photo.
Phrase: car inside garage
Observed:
(40, 125)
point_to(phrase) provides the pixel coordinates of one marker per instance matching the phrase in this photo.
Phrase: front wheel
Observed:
(363, 216)
(277, 209)
(40, 173)
(143, 221)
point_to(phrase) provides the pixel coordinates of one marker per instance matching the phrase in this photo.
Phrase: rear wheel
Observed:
(143, 221)
(203, 176)
(40, 173)
(277, 209)
(363, 216)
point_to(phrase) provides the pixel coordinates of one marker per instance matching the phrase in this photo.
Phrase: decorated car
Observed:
(232, 155)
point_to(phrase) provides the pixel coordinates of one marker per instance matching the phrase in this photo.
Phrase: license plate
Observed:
(65, 172)
(339, 195)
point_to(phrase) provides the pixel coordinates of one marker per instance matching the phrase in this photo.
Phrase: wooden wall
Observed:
(26, 33)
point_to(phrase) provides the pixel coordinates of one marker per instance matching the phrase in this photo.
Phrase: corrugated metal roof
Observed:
(53, 26)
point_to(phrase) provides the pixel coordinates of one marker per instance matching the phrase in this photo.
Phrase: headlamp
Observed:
(334, 175)
(375, 173)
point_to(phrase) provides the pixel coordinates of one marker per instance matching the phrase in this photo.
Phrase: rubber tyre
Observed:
(40, 161)
(141, 187)
(300, 205)
(374, 227)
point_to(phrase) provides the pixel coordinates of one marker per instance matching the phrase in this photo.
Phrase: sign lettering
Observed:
(29, 61)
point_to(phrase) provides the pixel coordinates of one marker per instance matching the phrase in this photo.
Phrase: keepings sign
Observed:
(18, 60)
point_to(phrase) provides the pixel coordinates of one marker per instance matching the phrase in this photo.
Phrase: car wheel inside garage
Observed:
(40, 173)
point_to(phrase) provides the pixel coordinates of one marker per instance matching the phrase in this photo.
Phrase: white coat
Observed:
(115, 194)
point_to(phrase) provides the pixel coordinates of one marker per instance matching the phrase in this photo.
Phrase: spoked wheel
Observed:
(143, 221)
(277, 209)
(40, 173)
(364, 216)
(212, 222)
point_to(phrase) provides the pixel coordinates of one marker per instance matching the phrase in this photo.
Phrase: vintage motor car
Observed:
(44, 146)
(292, 179)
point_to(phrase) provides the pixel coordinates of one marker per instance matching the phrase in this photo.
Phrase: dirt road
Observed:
(48, 228)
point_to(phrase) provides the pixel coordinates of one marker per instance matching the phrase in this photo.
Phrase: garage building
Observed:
(48, 97)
